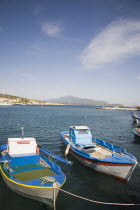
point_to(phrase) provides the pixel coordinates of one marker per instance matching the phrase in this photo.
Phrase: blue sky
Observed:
(84, 48)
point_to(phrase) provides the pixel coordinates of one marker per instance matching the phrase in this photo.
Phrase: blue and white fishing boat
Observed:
(98, 154)
(135, 117)
(136, 132)
(26, 170)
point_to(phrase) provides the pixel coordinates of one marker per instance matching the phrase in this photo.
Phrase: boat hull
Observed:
(121, 171)
(47, 195)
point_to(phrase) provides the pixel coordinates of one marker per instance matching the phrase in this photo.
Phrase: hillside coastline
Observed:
(15, 100)
(6, 99)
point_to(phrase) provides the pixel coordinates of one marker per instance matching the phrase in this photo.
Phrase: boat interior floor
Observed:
(98, 152)
(101, 153)
(26, 176)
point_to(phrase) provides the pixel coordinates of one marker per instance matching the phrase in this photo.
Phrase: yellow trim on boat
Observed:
(24, 185)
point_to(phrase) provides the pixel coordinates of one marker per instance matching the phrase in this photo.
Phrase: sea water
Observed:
(45, 124)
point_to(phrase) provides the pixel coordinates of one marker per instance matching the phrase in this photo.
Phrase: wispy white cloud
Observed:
(51, 29)
(138, 77)
(116, 42)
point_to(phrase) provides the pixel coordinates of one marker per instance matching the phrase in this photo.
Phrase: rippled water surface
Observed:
(45, 124)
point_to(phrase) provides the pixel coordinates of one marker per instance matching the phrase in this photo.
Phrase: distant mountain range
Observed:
(65, 100)
(71, 100)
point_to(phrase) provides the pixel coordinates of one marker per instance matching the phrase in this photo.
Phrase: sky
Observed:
(83, 48)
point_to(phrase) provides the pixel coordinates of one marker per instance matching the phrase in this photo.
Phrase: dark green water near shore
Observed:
(45, 124)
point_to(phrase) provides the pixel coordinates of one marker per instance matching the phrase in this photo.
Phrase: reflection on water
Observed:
(45, 124)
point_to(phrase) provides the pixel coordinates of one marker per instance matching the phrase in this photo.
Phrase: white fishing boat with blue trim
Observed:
(135, 117)
(26, 169)
(98, 154)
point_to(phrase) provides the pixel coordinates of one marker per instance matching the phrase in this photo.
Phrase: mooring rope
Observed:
(99, 202)
(137, 162)
(54, 207)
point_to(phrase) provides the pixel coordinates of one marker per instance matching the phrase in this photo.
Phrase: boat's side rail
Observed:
(51, 163)
(52, 155)
(82, 153)
(110, 146)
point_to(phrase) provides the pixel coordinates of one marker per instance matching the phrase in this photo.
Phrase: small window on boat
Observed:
(83, 132)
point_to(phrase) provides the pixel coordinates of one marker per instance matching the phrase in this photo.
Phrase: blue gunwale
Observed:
(115, 159)
(27, 184)
(60, 177)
